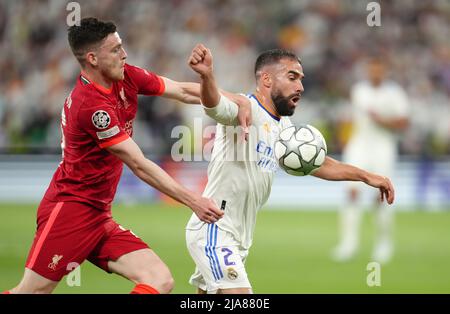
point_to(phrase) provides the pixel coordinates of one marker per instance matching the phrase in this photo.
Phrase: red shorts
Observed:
(71, 232)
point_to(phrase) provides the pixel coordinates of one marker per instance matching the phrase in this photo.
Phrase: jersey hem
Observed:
(114, 141)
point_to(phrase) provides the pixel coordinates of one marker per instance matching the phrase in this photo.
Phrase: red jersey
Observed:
(94, 118)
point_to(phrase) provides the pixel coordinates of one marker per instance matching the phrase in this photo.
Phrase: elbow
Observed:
(136, 165)
(210, 102)
(207, 105)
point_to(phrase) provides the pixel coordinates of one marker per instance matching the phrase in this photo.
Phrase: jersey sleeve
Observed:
(146, 82)
(102, 124)
(225, 112)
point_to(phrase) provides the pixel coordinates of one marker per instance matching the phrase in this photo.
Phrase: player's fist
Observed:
(200, 60)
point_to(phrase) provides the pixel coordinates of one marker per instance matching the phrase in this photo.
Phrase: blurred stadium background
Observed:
(332, 38)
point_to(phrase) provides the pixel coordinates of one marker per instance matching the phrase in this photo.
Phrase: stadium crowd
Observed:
(332, 38)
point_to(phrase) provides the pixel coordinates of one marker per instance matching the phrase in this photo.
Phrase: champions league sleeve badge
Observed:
(101, 119)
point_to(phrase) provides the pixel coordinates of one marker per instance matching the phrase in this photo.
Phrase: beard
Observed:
(282, 104)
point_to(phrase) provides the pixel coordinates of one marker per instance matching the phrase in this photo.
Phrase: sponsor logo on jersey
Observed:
(55, 260)
(108, 133)
(101, 119)
(129, 127)
(266, 160)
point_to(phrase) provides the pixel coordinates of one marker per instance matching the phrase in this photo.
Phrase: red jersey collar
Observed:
(101, 88)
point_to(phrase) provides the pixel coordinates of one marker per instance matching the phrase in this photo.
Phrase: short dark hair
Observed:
(91, 31)
(273, 56)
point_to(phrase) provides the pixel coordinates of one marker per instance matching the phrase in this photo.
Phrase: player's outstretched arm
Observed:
(189, 93)
(186, 92)
(201, 61)
(334, 170)
(152, 174)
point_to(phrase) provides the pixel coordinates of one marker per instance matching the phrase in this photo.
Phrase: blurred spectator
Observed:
(331, 36)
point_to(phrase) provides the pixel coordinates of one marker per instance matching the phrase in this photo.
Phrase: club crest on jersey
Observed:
(232, 273)
(101, 119)
(55, 260)
(124, 98)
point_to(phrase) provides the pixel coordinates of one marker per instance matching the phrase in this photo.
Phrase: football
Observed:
(300, 150)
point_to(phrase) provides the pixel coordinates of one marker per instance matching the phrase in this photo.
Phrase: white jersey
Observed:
(371, 142)
(240, 173)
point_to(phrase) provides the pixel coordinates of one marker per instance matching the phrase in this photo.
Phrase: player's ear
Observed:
(266, 79)
(91, 58)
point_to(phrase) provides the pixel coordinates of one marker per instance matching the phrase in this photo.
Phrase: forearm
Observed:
(334, 170)
(156, 177)
(393, 124)
(190, 93)
(209, 93)
(186, 92)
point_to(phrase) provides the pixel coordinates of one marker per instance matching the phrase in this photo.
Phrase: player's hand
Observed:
(200, 60)
(244, 116)
(385, 186)
(244, 113)
(206, 210)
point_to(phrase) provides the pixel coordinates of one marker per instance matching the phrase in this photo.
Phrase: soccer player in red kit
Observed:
(74, 221)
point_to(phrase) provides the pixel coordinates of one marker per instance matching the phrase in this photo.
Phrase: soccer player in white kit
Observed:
(240, 184)
(380, 110)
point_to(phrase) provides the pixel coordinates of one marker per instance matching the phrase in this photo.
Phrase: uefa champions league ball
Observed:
(300, 150)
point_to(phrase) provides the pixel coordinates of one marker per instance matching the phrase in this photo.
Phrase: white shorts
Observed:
(219, 259)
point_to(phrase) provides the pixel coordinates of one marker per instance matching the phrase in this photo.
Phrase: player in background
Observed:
(380, 112)
(242, 185)
(74, 220)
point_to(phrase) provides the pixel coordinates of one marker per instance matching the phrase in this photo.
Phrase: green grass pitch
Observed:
(290, 254)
